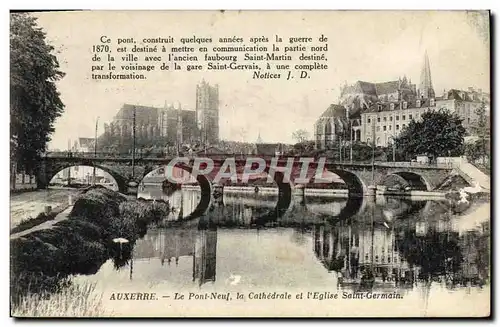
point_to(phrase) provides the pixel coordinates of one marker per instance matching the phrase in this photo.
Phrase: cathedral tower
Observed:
(207, 112)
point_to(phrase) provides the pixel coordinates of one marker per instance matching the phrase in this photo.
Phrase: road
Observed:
(30, 204)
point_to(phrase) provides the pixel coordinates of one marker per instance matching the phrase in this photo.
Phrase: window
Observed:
(378, 119)
(378, 128)
(385, 118)
(410, 117)
(378, 140)
(369, 120)
(404, 117)
(385, 128)
(418, 104)
(376, 258)
(405, 105)
(390, 118)
(392, 106)
(397, 117)
(397, 127)
(368, 140)
(404, 125)
(389, 259)
(468, 120)
(390, 127)
(379, 107)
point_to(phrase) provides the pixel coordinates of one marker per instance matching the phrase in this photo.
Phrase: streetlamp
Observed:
(95, 149)
(350, 141)
(133, 144)
(393, 150)
(373, 151)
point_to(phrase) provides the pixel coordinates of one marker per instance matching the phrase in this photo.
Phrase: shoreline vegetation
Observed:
(42, 217)
(43, 261)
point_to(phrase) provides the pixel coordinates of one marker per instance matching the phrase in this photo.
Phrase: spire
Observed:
(259, 139)
(426, 90)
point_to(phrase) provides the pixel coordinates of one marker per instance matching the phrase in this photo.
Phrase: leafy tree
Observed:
(300, 135)
(303, 148)
(481, 128)
(34, 100)
(438, 133)
(474, 150)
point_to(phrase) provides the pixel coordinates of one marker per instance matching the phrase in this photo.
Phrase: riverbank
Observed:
(30, 205)
(272, 190)
(101, 225)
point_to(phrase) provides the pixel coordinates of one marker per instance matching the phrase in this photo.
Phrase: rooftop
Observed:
(386, 106)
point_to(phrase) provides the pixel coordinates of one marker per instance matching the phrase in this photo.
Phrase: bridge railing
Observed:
(409, 164)
(221, 157)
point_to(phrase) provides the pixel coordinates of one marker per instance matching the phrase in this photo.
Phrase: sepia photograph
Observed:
(250, 164)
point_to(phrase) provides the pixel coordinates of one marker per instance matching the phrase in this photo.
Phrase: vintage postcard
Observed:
(250, 164)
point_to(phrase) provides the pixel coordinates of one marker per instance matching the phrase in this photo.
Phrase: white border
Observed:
(197, 5)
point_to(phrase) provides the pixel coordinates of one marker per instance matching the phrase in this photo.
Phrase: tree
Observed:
(303, 148)
(300, 135)
(34, 100)
(473, 150)
(481, 128)
(438, 133)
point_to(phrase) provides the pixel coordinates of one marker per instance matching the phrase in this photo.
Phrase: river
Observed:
(414, 249)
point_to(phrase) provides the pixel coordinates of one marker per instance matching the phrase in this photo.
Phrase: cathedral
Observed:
(168, 125)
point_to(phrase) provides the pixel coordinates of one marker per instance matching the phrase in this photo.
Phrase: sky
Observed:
(372, 46)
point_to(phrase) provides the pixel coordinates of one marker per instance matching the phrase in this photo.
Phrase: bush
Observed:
(97, 206)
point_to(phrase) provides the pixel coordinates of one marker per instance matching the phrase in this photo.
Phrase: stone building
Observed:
(169, 125)
(464, 104)
(383, 121)
(331, 127)
(361, 95)
(378, 112)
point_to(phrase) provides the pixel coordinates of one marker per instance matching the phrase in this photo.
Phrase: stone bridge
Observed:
(357, 176)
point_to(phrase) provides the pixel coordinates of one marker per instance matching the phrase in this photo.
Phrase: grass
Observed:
(32, 222)
(80, 300)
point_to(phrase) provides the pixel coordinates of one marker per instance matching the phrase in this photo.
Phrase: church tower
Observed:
(425, 90)
(207, 112)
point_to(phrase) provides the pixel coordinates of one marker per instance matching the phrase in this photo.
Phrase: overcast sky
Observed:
(372, 46)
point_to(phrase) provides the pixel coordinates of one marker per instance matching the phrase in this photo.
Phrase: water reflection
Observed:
(391, 243)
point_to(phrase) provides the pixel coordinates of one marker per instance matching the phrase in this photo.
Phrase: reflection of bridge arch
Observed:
(353, 206)
(283, 203)
(119, 180)
(398, 207)
(205, 186)
(414, 180)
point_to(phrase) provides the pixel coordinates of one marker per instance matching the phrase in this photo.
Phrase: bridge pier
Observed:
(299, 195)
(371, 191)
(218, 195)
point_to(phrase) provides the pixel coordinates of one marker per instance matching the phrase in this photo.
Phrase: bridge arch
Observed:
(355, 185)
(118, 178)
(414, 180)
